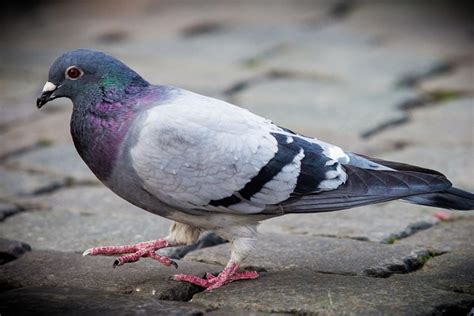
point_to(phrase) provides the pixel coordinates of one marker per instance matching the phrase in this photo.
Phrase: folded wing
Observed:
(200, 153)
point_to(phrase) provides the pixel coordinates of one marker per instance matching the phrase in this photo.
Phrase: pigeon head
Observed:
(89, 77)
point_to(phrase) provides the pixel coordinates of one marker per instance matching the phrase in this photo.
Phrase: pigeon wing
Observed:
(201, 153)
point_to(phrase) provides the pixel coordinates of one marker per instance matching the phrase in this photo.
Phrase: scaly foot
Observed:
(229, 274)
(135, 252)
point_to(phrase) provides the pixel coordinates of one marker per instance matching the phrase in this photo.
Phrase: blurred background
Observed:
(393, 79)
(338, 70)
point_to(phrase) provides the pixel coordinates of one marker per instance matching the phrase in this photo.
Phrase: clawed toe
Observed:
(212, 282)
(116, 264)
(132, 253)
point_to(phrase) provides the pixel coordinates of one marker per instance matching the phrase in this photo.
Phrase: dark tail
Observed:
(452, 198)
(369, 182)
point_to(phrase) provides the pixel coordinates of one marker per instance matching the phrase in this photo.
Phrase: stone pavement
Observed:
(389, 79)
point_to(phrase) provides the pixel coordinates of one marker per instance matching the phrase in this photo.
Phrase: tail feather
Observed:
(452, 198)
(366, 186)
(399, 166)
(369, 184)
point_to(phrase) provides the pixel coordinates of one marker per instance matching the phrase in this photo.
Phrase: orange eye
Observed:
(73, 72)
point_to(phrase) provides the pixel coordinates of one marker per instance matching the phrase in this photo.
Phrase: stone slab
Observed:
(445, 124)
(276, 252)
(55, 269)
(21, 183)
(97, 218)
(240, 312)
(44, 128)
(361, 61)
(453, 271)
(11, 250)
(354, 58)
(448, 236)
(18, 91)
(73, 301)
(93, 198)
(379, 223)
(321, 105)
(224, 75)
(459, 80)
(61, 160)
(330, 294)
(8, 209)
(80, 231)
(441, 29)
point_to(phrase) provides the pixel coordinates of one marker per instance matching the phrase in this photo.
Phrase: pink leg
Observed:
(229, 274)
(134, 252)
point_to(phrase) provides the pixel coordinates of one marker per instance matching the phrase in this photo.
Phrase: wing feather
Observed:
(201, 153)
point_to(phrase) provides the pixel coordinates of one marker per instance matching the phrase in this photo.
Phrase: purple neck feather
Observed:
(99, 129)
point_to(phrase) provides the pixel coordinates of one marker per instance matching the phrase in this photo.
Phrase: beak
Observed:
(46, 95)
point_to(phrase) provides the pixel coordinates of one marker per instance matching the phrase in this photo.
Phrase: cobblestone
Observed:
(321, 254)
(341, 71)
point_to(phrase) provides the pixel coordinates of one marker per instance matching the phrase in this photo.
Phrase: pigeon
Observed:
(208, 165)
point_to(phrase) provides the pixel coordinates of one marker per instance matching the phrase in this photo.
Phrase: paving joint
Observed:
(410, 230)
(423, 100)
(269, 75)
(334, 13)
(408, 264)
(21, 151)
(411, 80)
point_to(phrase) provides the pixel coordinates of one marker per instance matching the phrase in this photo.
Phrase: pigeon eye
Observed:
(73, 73)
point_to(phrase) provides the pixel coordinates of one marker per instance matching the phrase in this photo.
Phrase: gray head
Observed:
(87, 76)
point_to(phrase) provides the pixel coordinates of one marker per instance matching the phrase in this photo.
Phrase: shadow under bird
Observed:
(209, 165)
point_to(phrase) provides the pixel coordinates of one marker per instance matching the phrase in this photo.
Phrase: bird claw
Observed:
(132, 253)
(213, 282)
(174, 264)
